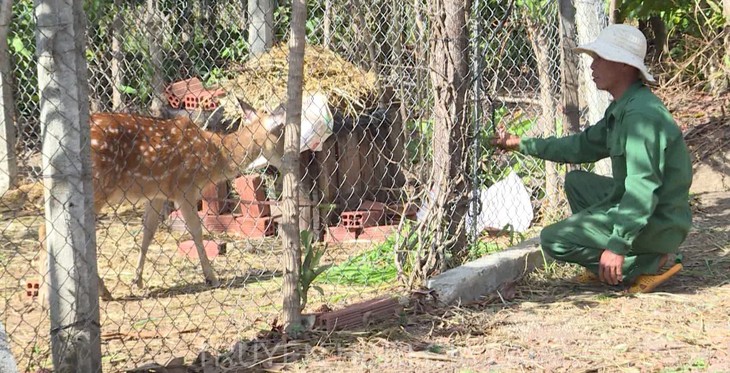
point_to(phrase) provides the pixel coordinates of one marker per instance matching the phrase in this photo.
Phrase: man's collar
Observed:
(630, 92)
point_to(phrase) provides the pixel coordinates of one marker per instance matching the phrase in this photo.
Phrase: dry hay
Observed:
(262, 81)
(24, 198)
(708, 139)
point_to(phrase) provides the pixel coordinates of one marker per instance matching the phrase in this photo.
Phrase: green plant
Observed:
(419, 141)
(493, 169)
(310, 266)
(377, 265)
(480, 248)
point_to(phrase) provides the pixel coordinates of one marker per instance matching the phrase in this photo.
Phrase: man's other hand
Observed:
(609, 267)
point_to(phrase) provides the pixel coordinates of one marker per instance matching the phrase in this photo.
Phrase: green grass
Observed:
(372, 267)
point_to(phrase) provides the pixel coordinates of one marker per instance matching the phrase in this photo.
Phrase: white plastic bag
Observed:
(316, 126)
(506, 203)
(316, 122)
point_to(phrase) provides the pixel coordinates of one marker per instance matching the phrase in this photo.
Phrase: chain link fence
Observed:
(367, 160)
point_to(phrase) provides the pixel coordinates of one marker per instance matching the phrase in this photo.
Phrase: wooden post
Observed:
(8, 160)
(70, 238)
(569, 67)
(290, 166)
(260, 25)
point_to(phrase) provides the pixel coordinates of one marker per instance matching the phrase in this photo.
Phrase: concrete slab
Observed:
(483, 276)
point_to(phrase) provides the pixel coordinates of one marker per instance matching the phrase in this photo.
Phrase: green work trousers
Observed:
(582, 237)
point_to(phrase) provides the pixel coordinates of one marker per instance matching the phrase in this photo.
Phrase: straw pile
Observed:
(262, 81)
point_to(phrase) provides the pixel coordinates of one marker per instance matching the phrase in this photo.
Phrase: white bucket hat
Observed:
(620, 43)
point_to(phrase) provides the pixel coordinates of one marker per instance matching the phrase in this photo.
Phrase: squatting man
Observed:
(622, 228)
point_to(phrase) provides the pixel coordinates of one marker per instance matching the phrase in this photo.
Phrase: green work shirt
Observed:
(650, 162)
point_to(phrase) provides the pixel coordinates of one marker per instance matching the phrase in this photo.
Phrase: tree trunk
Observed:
(614, 12)
(726, 62)
(659, 29)
(154, 39)
(547, 122)
(70, 238)
(442, 229)
(8, 160)
(290, 170)
(589, 24)
(117, 77)
(569, 67)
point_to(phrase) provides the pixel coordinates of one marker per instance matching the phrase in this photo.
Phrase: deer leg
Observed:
(150, 221)
(189, 209)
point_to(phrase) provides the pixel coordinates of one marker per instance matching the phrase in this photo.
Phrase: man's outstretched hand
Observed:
(609, 267)
(505, 140)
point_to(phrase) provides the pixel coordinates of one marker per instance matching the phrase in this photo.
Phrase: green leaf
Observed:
(17, 45)
(128, 90)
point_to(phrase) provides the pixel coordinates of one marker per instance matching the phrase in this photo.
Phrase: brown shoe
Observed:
(647, 283)
(586, 278)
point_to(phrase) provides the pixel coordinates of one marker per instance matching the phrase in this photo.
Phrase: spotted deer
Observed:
(137, 158)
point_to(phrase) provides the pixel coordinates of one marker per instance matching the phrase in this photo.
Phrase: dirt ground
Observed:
(546, 322)
(543, 323)
(176, 315)
(552, 324)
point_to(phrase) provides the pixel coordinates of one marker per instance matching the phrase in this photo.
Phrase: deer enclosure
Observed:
(159, 157)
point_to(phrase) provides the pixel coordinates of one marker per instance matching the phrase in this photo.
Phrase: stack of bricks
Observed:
(247, 216)
(255, 218)
(191, 95)
(372, 221)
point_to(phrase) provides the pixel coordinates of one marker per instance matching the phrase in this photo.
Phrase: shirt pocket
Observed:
(617, 151)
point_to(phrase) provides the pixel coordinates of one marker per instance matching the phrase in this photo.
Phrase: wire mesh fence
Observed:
(367, 160)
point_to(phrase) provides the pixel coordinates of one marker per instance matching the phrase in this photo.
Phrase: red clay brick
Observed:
(192, 95)
(252, 227)
(219, 223)
(214, 199)
(341, 234)
(360, 314)
(254, 209)
(212, 249)
(361, 218)
(378, 233)
(251, 193)
(176, 91)
(32, 288)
